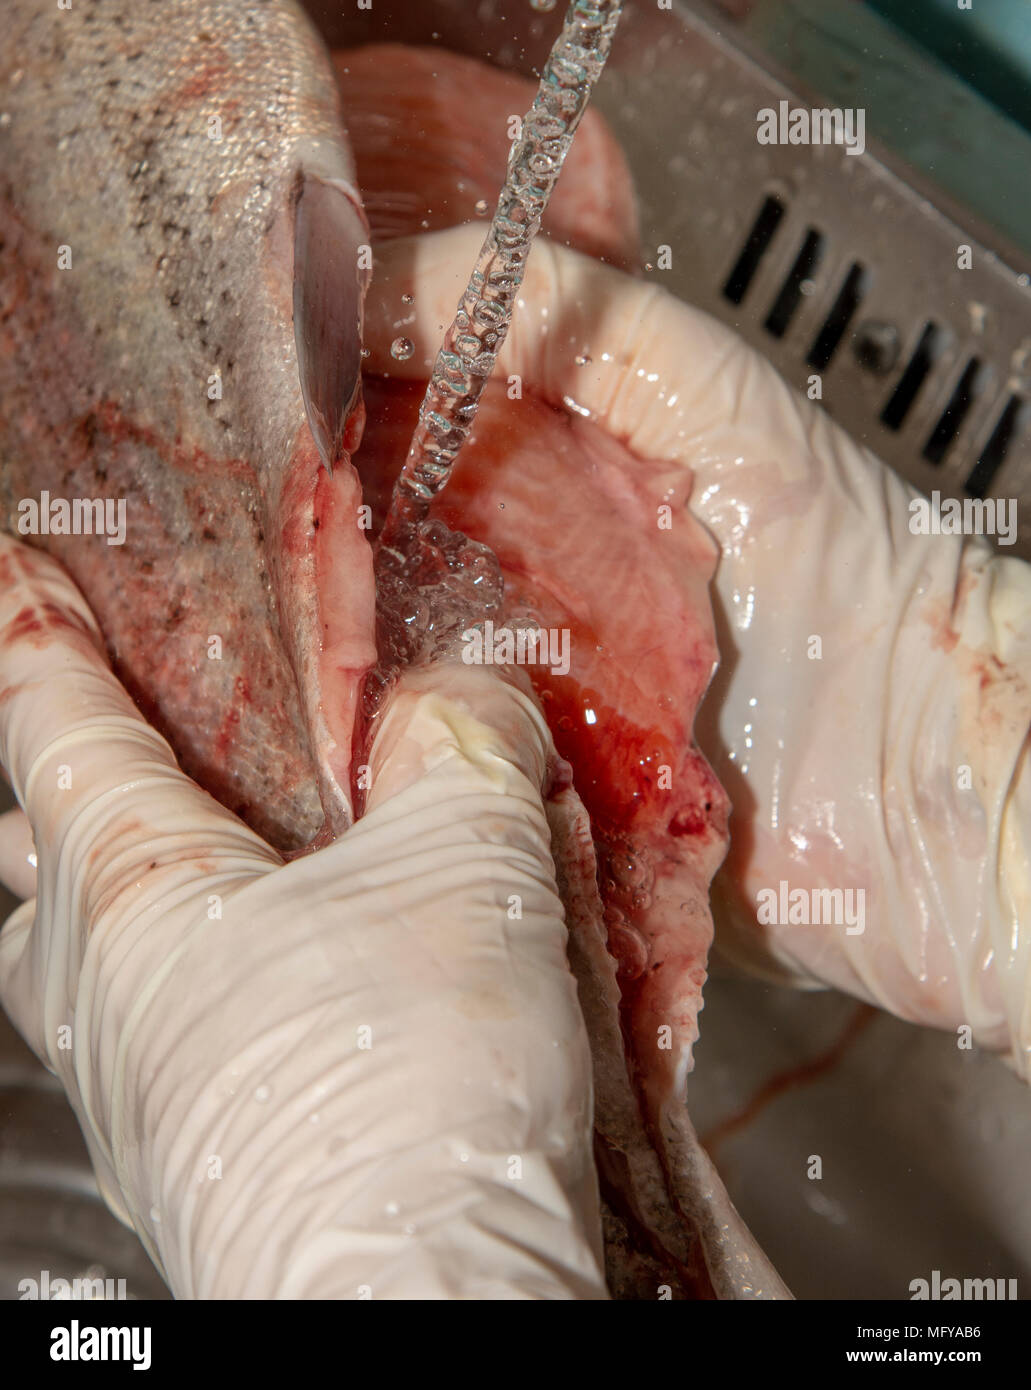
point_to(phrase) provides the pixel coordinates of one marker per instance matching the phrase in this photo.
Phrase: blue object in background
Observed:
(988, 45)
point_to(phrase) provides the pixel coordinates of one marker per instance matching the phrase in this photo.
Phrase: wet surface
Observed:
(52, 1220)
(924, 1147)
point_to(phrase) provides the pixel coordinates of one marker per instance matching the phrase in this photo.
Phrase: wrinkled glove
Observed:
(891, 756)
(358, 1074)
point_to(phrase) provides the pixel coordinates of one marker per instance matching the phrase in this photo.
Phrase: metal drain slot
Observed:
(913, 377)
(755, 247)
(790, 296)
(848, 300)
(954, 414)
(893, 320)
(995, 451)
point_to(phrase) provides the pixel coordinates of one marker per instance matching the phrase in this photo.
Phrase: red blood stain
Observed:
(791, 1079)
(689, 822)
(121, 429)
(26, 623)
(210, 80)
(616, 762)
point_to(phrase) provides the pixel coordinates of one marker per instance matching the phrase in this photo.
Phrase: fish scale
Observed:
(162, 366)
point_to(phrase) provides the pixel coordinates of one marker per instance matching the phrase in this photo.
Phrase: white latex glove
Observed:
(362, 1078)
(849, 771)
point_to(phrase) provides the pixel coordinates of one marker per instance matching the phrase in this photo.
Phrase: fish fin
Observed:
(330, 232)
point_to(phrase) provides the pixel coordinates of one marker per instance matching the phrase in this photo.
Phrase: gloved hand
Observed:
(892, 755)
(358, 1074)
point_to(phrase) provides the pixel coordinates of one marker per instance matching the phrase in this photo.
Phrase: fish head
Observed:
(187, 264)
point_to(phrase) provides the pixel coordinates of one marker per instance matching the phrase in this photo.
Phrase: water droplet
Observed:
(401, 349)
(582, 359)
(392, 1208)
(480, 207)
(463, 1158)
(155, 1215)
(575, 408)
(543, 6)
(262, 1094)
(314, 1117)
(408, 299)
(411, 1229)
(501, 506)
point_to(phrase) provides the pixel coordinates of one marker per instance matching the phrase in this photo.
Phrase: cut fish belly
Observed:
(579, 526)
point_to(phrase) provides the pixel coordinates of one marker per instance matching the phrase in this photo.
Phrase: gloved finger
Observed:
(372, 1071)
(73, 742)
(493, 717)
(656, 374)
(118, 829)
(17, 854)
(17, 990)
(860, 651)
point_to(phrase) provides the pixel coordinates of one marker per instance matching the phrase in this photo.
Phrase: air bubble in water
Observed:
(543, 6)
(408, 299)
(366, 352)
(434, 585)
(462, 367)
(582, 359)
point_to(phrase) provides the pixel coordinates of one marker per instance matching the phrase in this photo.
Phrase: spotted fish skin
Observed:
(153, 157)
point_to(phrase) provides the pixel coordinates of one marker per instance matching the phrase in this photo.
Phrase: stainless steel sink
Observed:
(52, 1220)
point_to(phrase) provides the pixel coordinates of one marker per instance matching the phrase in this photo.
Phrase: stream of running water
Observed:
(473, 341)
(433, 584)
